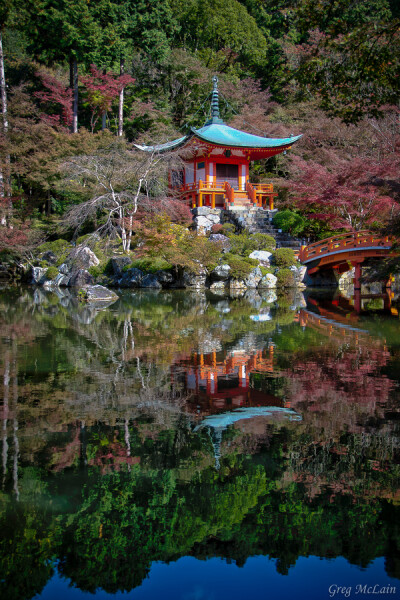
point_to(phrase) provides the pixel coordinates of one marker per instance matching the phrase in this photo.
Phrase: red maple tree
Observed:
(344, 194)
(102, 88)
(55, 96)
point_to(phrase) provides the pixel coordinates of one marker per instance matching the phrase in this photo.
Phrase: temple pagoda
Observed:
(216, 170)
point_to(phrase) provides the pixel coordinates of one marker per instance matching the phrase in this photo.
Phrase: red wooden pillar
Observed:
(357, 276)
(357, 300)
(387, 300)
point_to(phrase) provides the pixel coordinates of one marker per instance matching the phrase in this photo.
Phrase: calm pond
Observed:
(192, 446)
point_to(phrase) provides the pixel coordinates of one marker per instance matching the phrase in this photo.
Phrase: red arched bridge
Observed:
(344, 251)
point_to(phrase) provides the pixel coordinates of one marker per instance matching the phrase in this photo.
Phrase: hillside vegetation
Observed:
(81, 81)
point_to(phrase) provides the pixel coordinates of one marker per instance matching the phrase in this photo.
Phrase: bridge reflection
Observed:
(224, 379)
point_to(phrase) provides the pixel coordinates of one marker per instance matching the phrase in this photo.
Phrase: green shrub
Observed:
(290, 221)
(240, 267)
(244, 244)
(285, 278)
(228, 229)
(263, 241)
(108, 268)
(57, 246)
(149, 264)
(104, 268)
(83, 238)
(61, 248)
(51, 273)
(284, 257)
(96, 271)
(266, 270)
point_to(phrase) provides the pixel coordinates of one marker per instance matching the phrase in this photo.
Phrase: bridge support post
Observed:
(387, 300)
(388, 283)
(357, 276)
(357, 300)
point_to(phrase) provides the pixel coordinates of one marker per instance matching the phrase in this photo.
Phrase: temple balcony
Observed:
(228, 194)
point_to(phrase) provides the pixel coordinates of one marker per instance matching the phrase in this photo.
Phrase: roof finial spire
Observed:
(215, 99)
(215, 118)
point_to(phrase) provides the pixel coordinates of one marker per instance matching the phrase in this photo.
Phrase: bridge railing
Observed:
(341, 242)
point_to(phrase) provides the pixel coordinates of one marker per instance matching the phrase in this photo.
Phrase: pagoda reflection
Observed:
(220, 380)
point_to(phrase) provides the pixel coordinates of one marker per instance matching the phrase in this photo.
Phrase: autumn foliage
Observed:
(102, 88)
(344, 196)
(54, 96)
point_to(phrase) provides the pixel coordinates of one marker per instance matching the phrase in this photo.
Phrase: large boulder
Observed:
(38, 275)
(262, 256)
(220, 273)
(237, 284)
(82, 257)
(218, 287)
(194, 281)
(299, 275)
(268, 281)
(150, 281)
(118, 263)
(221, 239)
(214, 218)
(80, 278)
(166, 278)
(64, 269)
(254, 278)
(203, 223)
(97, 293)
(132, 278)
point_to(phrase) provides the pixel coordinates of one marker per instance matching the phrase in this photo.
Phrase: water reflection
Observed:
(179, 424)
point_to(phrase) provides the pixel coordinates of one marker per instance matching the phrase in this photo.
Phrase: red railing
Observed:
(266, 188)
(341, 243)
(230, 193)
(258, 193)
(251, 192)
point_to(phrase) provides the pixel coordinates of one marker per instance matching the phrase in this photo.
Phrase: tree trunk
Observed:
(5, 411)
(3, 87)
(15, 424)
(121, 102)
(5, 174)
(73, 78)
(103, 121)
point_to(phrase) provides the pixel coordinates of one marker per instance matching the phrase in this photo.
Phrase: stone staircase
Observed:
(259, 220)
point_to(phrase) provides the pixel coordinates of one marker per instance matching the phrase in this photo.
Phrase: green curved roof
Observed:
(223, 135)
(164, 147)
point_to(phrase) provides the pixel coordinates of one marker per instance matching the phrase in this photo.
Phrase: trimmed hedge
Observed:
(284, 257)
(240, 267)
(285, 278)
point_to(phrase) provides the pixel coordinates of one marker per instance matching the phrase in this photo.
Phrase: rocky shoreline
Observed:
(79, 271)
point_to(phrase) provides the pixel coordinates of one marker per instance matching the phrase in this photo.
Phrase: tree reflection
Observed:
(104, 467)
